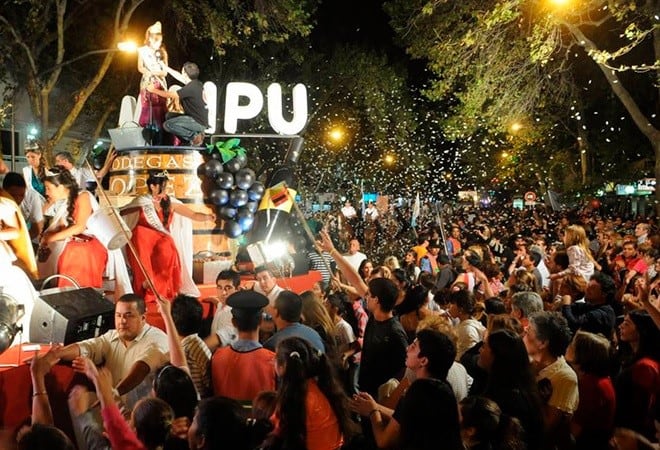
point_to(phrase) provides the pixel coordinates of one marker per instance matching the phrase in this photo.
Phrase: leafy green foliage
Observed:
(499, 63)
(243, 23)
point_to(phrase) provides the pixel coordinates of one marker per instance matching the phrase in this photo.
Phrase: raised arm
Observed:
(177, 355)
(39, 367)
(351, 275)
(645, 298)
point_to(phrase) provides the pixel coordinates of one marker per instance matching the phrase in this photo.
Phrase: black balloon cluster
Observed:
(236, 192)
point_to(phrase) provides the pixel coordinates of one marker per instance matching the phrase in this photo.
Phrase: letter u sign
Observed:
(235, 111)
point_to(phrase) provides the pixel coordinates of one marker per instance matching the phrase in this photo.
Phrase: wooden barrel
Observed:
(128, 178)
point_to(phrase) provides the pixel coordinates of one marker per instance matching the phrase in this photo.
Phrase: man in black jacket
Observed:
(596, 315)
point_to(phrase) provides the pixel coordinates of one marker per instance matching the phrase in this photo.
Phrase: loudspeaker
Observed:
(71, 315)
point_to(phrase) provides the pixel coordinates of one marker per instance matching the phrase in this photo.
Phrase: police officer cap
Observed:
(246, 302)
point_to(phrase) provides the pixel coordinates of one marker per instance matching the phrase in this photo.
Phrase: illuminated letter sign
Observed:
(275, 110)
(255, 102)
(235, 111)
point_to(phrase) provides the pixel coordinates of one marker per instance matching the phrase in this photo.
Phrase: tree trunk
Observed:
(102, 121)
(656, 149)
(44, 105)
(583, 148)
(642, 122)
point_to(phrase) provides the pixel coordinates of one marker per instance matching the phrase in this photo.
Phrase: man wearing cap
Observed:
(349, 211)
(244, 368)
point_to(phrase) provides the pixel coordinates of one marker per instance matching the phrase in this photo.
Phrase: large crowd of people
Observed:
(459, 329)
(521, 330)
(465, 328)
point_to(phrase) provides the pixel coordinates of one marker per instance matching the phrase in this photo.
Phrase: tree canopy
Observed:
(40, 39)
(530, 63)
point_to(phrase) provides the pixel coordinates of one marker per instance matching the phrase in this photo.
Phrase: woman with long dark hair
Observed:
(410, 266)
(485, 427)
(312, 409)
(163, 241)
(221, 423)
(66, 247)
(365, 268)
(511, 382)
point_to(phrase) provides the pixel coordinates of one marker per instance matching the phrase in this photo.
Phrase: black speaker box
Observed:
(70, 315)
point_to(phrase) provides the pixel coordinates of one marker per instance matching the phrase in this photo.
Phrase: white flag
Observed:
(415, 211)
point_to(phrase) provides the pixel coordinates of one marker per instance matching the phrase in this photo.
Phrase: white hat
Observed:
(155, 29)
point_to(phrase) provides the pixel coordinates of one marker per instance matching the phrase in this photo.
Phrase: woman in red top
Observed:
(312, 409)
(638, 383)
(593, 422)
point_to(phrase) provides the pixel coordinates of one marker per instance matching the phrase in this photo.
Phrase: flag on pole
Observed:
(415, 212)
(362, 206)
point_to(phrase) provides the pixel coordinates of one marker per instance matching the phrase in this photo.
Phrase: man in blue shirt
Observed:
(288, 312)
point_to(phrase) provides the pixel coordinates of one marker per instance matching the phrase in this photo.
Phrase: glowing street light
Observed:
(127, 46)
(560, 2)
(336, 134)
(389, 159)
(516, 126)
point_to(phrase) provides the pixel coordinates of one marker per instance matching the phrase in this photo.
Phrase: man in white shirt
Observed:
(348, 211)
(354, 256)
(223, 331)
(82, 175)
(266, 284)
(132, 352)
(371, 213)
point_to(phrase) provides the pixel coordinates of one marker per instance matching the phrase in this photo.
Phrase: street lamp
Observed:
(336, 134)
(389, 159)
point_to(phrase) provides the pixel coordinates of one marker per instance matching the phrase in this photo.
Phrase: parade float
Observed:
(217, 178)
